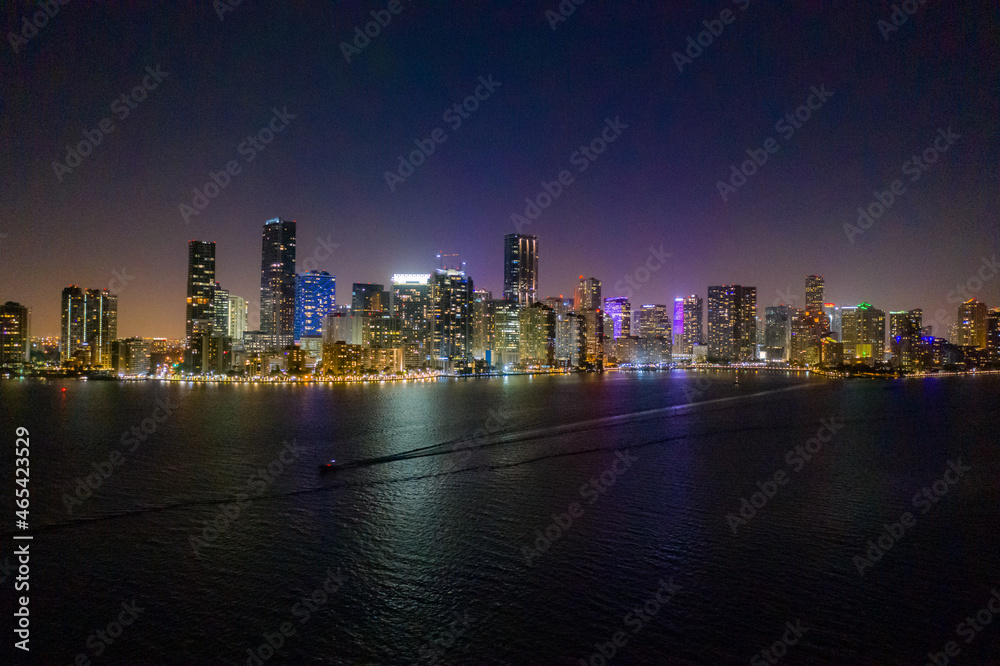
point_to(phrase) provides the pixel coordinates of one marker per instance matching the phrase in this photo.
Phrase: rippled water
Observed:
(437, 558)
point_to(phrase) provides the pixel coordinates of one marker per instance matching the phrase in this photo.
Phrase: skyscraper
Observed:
(904, 337)
(482, 322)
(451, 325)
(220, 305)
(619, 311)
(588, 294)
(814, 293)
(506, 343)
(833, 313)
(410, 301)
(678, 323)
(538, 335)
(864, 333)
(653, 321)
(277, 282)
(89, 325)
(566, 342)
(732, 322)
(315, 296)
(15, 335)
(993, 334)
(694, 315)
(237, 325)
(520, 269)
(778, 332)
(200, 289)
(972, 324)
(369, 300)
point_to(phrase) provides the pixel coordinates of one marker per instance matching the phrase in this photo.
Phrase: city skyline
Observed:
(332, 139)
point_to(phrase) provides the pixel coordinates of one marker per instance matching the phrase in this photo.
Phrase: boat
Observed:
(328, 467)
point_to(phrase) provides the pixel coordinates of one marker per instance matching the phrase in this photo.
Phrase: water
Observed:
(433, 559)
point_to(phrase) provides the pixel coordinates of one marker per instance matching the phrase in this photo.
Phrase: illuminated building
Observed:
(971, 326)
(593, 333)
(220, 308)
(864, 333)
(732, 322)
(369, 300)
(131, 356)
(831, 352)
(807, 330)
(694, 315)
(814, 293)
(619, 311)
(410, 301)
(538, 335)
(315, 296)
(654, 322)
(237, 326)
(520, 269)
(904, 337)
(678, 325)
(200, 288)
(993, 334)
(89, 325)
(833, 314)
(15, 338)
(482, 322)
(277, 283)
(451, 325)
(588, 295)
(567, 330)
(506, 344)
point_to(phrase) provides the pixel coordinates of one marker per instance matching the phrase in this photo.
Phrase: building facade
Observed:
(520, 269)
(15, 335)
(732, 322)
(200, 289)
(315, 296)
(277, 282)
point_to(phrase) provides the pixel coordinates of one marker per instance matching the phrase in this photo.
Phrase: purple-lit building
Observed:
(619, 311)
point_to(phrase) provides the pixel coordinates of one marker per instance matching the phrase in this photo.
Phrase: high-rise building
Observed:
(15, 335)
(277, 282)
(993, 334)
(200, 289)
(369, 300)
(678, 324)
(807, 330)
(538, 335)
(593, 335)
(451, 321)
(814, 293)
(506, 342)
(131, 356)
(220, 306)
(482, 322)
(833, 314)
(410, 301)
(237, 326)
(520, 269)
(653, 321)
(864, 333)
(619, 311)
(694, 315)
(905, 328)
(565, 340)
(778, 332)
(588, 294)
(315, 296)
(732, 322)
(971, 329)
(89, 325)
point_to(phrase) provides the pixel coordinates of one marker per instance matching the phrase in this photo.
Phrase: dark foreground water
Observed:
(593, 511)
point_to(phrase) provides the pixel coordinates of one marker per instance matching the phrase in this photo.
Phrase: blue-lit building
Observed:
(315, 297)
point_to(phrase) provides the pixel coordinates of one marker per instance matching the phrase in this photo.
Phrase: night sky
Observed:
(655, 185)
